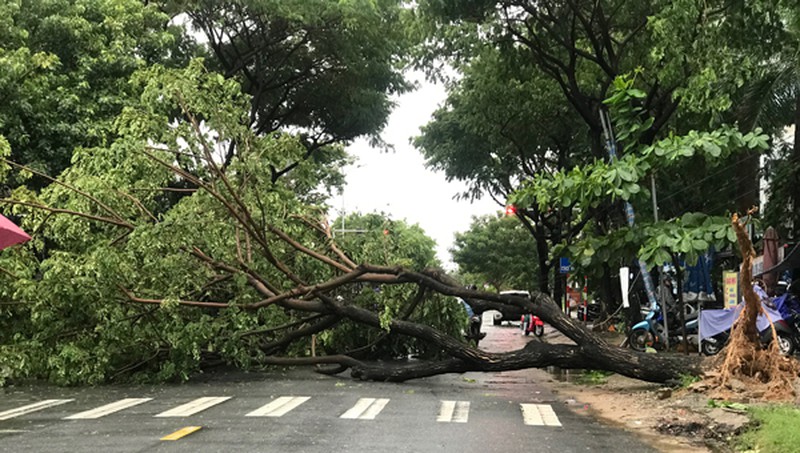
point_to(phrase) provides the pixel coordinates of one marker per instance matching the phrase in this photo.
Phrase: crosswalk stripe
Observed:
(453, 412)
(108, 409)
(539, 415)
(366, 409)
(31, 408)
(193, 407)
(279, 406)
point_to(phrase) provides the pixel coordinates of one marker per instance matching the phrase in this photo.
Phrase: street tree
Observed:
(325, 69)
(497, 250)
(771, 100)
(686, 56)
(502, 124)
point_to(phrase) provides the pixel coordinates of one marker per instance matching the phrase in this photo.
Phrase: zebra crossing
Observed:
(364, 409)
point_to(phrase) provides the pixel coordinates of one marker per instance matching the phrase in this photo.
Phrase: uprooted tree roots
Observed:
(748, 369)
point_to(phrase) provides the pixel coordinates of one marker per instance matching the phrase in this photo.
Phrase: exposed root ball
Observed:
(749, 370)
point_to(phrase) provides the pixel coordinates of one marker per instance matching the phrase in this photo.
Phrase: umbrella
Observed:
(10, 234)
(770, 256)
(790, 261)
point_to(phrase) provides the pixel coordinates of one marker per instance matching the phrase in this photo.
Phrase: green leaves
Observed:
(586, 186)
(713, 147)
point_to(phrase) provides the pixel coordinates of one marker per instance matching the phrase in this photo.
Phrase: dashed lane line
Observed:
(279, 406)
(108, 409)
(366, 409)
(31, 408)
(193, 407)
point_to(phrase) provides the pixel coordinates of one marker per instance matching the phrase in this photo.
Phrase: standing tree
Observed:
(323, 68)
(486, 138)
(684, 53)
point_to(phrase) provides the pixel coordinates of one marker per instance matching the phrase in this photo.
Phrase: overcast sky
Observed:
(398, 182)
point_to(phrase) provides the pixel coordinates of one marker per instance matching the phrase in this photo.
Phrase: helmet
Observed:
(781, 287)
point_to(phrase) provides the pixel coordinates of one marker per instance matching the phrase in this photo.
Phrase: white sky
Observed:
(398, 183)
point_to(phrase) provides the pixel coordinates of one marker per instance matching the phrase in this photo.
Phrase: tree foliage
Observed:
(669, 72)
(238, 272)
(64, 70)
(501, 125)
(192, 234)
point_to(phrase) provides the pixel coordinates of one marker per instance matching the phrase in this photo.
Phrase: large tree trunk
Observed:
(588, 352)
(591, 352)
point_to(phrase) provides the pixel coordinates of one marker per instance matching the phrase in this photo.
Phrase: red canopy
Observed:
(10, 234)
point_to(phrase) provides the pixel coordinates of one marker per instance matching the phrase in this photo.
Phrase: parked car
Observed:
(510, 313)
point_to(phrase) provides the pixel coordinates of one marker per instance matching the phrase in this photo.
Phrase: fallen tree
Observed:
(239, 270)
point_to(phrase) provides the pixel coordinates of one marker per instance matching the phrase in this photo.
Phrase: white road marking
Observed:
(366, 409)
(108, 409)
(31, 408)
(193, 407)
(453, 412)
(539, 415)
(279, 406)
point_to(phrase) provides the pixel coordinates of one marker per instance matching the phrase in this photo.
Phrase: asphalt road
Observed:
(300, 411)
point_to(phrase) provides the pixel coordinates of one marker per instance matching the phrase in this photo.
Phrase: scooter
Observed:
(532, 323)
(474, 329)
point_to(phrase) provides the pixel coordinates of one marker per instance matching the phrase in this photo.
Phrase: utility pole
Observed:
(611, 146)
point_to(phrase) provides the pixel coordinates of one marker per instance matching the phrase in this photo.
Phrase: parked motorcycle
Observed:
(785, 308)
(649, 333)
(786, 339)
(532, 323)
(592, 311)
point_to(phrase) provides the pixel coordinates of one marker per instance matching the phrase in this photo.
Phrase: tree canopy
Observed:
(665, 71)
(497, 250)
(65, 69)
(321, 67)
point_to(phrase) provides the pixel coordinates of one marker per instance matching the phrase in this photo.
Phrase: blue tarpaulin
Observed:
(713, 322)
